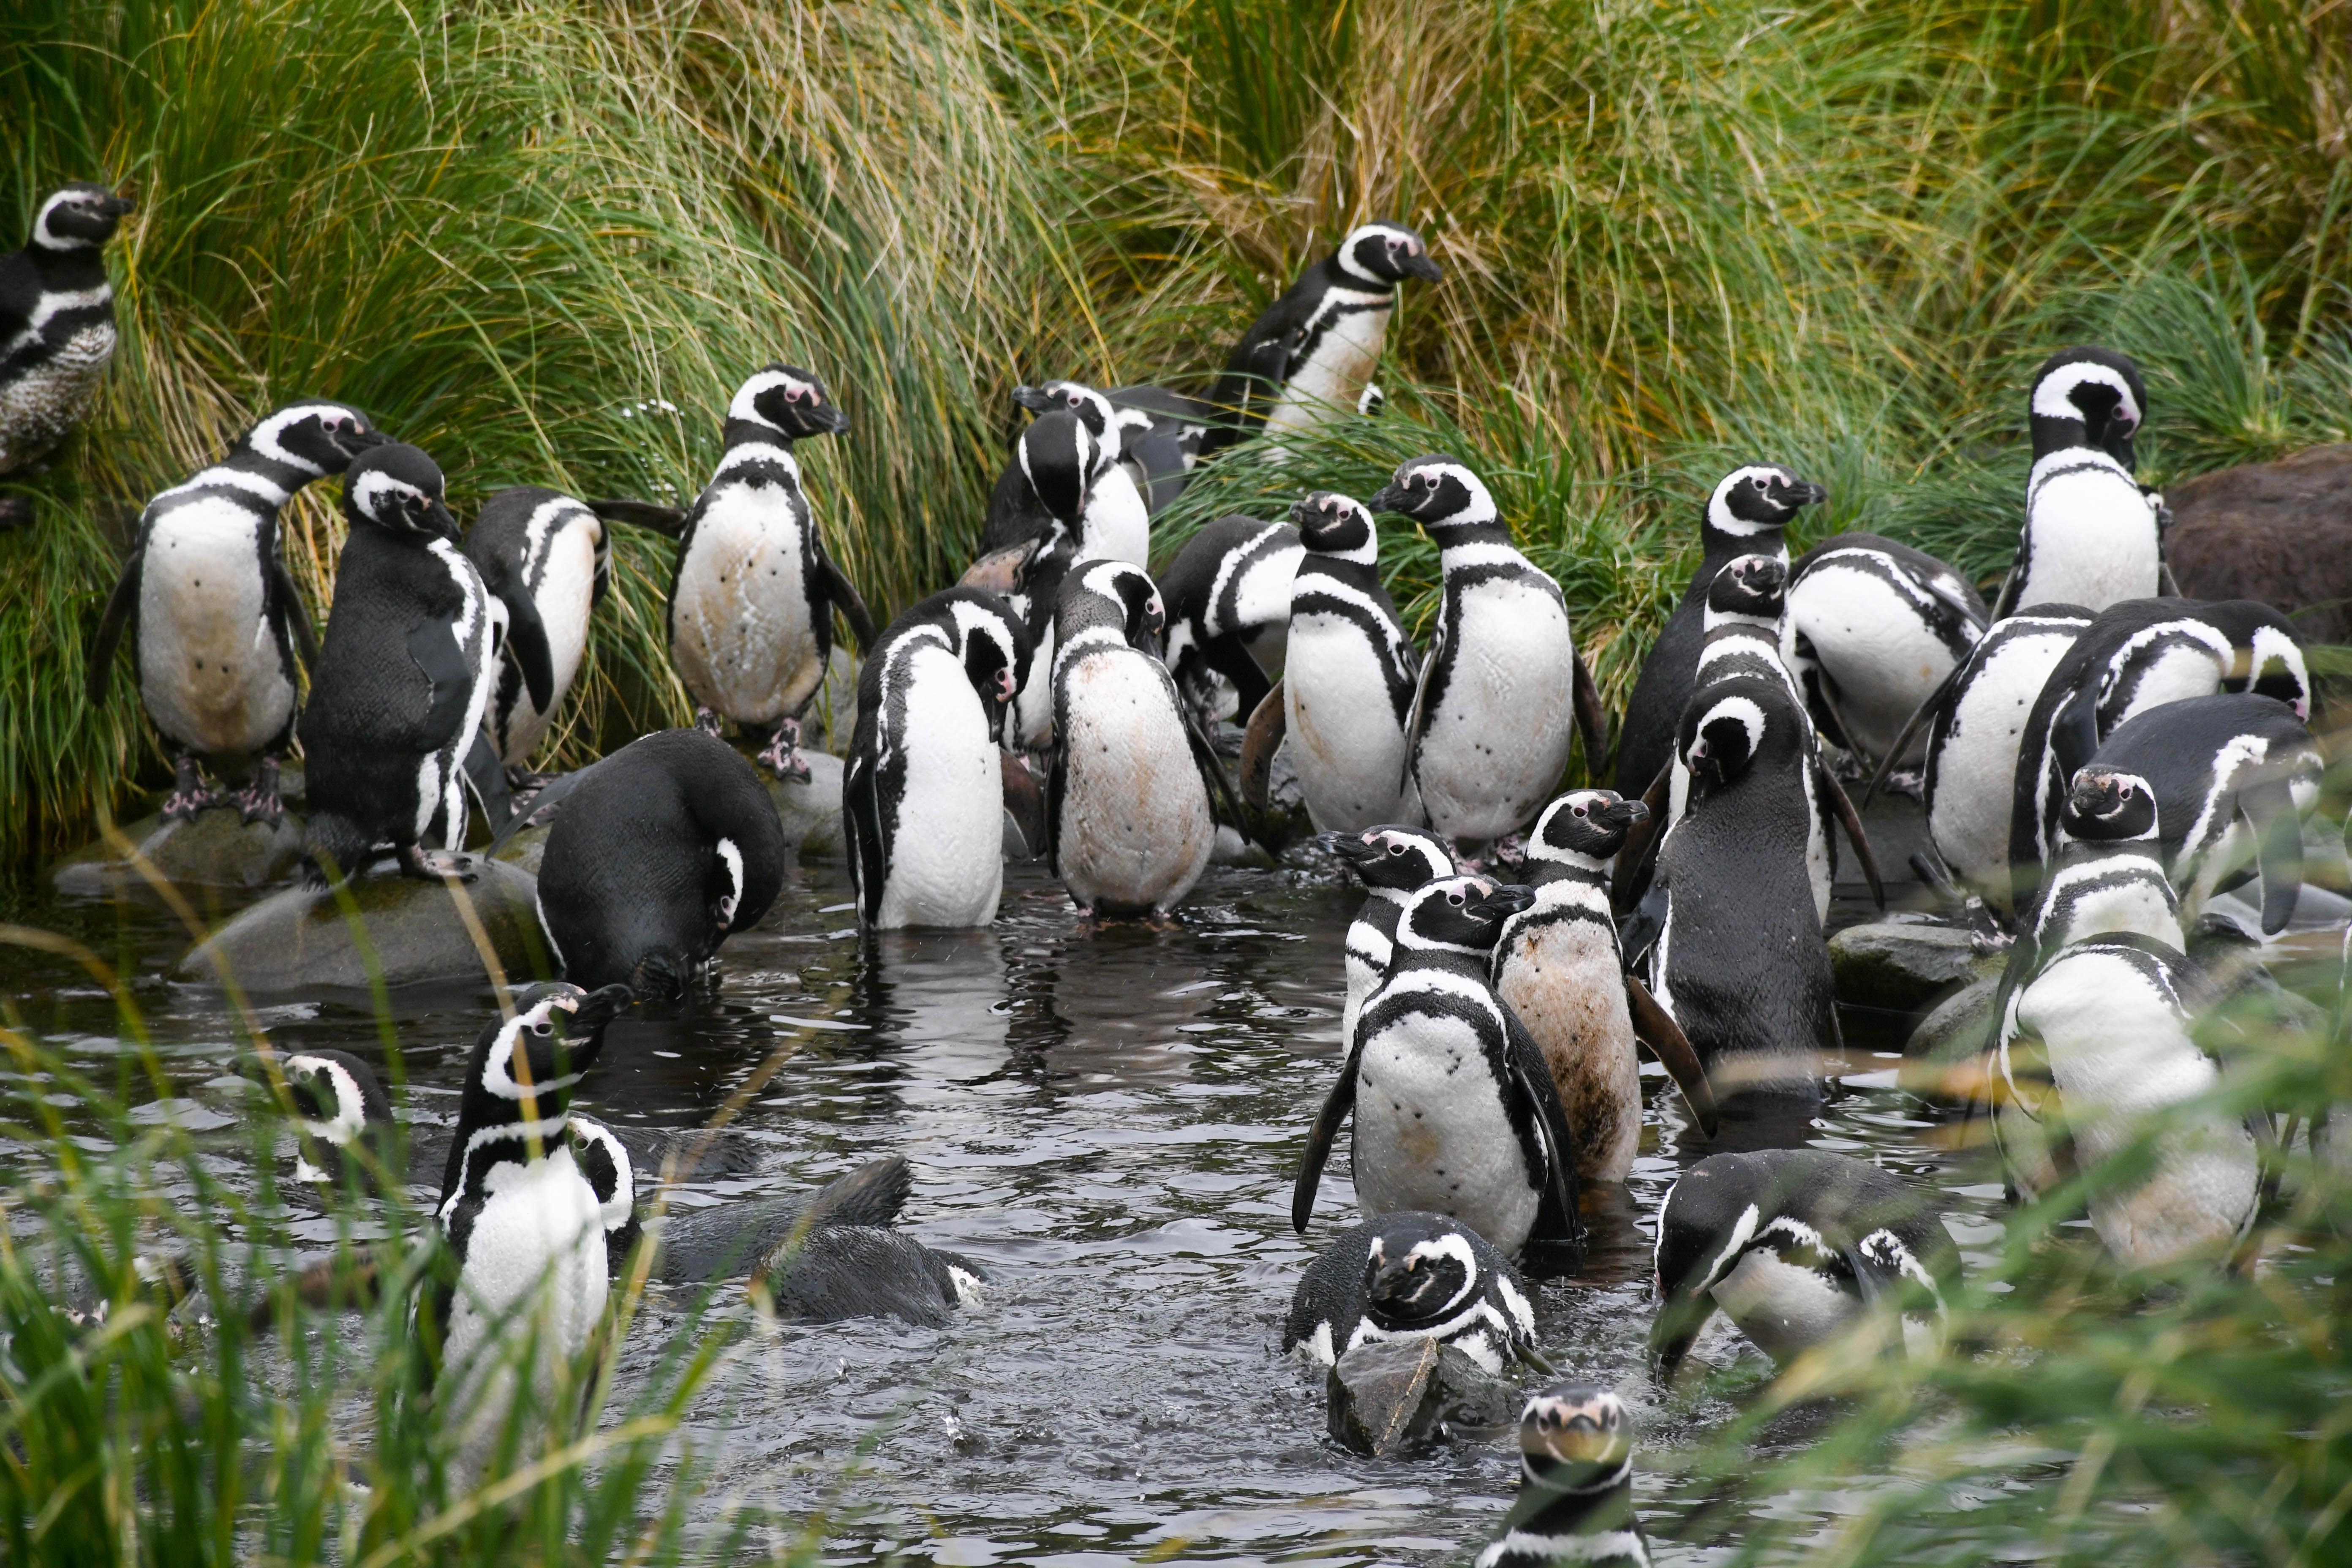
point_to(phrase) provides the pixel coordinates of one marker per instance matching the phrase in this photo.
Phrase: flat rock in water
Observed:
(1393, 1395)
(215, 849)
(2279, 533)
(811, 812)
(1900, 964)
(412, 931)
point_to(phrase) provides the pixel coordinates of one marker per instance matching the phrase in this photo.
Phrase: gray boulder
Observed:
(1392, 1395)
(403, 930)
(213, 849)
(2279, 533)
(1903, 963)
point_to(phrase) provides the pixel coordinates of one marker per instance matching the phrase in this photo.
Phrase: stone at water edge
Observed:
(1900, 964)
(2279, 533)
(1393, 1395)
(811, 812)
(215, 849)
(299, 938)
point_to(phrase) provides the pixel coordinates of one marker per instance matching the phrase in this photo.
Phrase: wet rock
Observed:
(1395, 1394)
(408, 932)
(1902, 963)
(2279, 533)
(811, 812)
(1951, 1035)
(523, 850)
(214, 849)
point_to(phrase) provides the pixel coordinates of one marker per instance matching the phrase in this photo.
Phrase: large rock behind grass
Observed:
(2279, 533)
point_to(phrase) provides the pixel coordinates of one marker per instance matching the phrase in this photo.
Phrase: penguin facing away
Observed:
(545, 558)
(1872, 628)
(1392, 863)
(1411, 1274)
(1576, 1486)
(2091, 537)
(1228, 593)
(57, 327)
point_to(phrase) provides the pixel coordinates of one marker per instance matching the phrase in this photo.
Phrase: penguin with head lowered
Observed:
(1061, 461)
(2091, 537)
(1410, 1275)
(545, 558)
(1576, 1486)
(57, 327)
(216, 618)
(1228, 593)
(750, 607)
(1392, 863)
(1114, 518)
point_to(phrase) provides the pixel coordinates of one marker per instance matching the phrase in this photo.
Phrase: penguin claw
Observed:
(706, 721)
(190, 793)
(437, 865)
(258, 800)
(783, 755)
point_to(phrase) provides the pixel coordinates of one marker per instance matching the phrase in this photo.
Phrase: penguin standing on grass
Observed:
(1392, 863)
(57, 328)
(1411, 1276)
(1576, 1486)
(2091, 537)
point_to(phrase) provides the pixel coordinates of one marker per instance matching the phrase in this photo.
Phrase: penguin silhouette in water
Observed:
(1576, 1486)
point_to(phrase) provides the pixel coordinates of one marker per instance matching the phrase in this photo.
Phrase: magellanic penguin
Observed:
(545, 558)
(1159, 433)
(343, 1128)
(922, 801)
(1393, 863)
(1454, 1110)
(403, 679)
(217, 618)
(1061, 461)
(1560, 971)
(1872, 629)
(1115, 520)
(2091, 537)
(658, 854)
(1747, 514)
(1504, 690)
(750, 607)
(1796, 1246)
(1228, 595)
(1306, 359)
(57, 326)
(1576, 1486)
(1411, 1274)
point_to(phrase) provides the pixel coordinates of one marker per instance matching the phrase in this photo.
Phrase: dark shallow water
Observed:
(1110, 1121)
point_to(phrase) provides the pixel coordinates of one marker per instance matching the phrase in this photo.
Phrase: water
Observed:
(1110, 1121)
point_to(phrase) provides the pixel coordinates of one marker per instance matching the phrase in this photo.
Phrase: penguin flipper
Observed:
(2269, 808)
(1559, 1219)
(486, 775)
(664, 520)
(869, 840)
(1853, 821)
(527, 640)
(1642, 843)
(297, 614)
(1259, 743)
(999, 572)
(1213, 777)
(1417, 718)
(449, 681)
(1337, 1105)
(99, 672)
(1929, 705)
(1655, 1027)
(542, 807)
(1592, 718)
(846, 598)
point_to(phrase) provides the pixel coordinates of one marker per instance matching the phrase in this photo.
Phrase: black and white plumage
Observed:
(1392, 863)
(1747, 514)
(215, 617)
(1411, 1274)
(2091, 537)
(1576, 1486)
(1349, 673)
(1872, 629)
(403, 678)
(342, 1120)
(56, 324)
(1162, 439)
(752, 603)
(1061, 461)
(1796, 1246)
(1503, 691)
(612, 1175)
(659, 853)
(1307, 357)
(1228, 593)
(923, 796)
(1453, 1108)
(1115, 520)
(545, 558)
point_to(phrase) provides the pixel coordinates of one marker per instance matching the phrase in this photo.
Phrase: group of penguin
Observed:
(2098, 761)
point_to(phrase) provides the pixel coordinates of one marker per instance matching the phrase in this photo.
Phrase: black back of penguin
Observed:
(667, 847)
(1411, 1274)
(1228, 597)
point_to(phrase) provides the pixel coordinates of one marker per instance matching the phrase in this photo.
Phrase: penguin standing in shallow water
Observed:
(217, 616)
(1228, 593)
(56, 327)
(1872, 629)
(1393, 863)
(1411, 1276)
(2091, 537)
(545, 558)
(1576, 1486)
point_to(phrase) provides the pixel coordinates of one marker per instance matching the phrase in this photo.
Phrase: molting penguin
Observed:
(750, 607)
(1455, 1109)
(660, 852)
(1392, 863)
(2091, 537)
(545, 558)
(1872, 628)
(1796, 1246)
(402, 679)
(1411, 1276)
(1228, 595)
(1503, 690)
(218, 617)
(1305, 361)
(1747, 514)
(923, 799)
(1576, 1486)
(57, 326)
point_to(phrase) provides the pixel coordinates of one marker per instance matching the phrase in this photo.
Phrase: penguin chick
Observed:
(1576, 1486)
(2092, 538)
(1392, 863)
(57, 323)
(1348, 675)
(1412, 1275)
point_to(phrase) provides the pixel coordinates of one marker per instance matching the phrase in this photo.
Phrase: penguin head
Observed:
(81, 216)
(994, 646)
(1757, 499)
(1397, 857)
(524, 1068)
(1438, 493)
(1460, 914)
(1578, 1429)
(1114, 596)
(789, 401)
(1584, 828)
(336, 1095)
(612, 1175)
(2088, 397)
(1103, 422)
(2269, 660)
(2108, 805)
(1386, 254)
(397, 488)
(1420, 1271)
(1725, 726)
(1752, 589)
(314, 439)
(1061, 459)
(1330, 523)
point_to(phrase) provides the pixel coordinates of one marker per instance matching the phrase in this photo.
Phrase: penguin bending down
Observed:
(1305, 361)
(1115, 518)
(544, 557)
(1576, 1486)
(57, 327)
(1872, 629)
(661, 852)
(403, 679)
(1747, 514)
(750, 607)
(1560, 971)
(1392, 863)
(1162, 439)
(1406, 1276)
(922, 801)
(217, 616)
(1061, 462)
(2091, 537)
(1503, 690)
(1228, 595)
(1454, 1107)
(1796, 1246)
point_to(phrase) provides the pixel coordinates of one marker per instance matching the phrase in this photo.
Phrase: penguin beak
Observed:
(1349, 847)
(1576, 1430)
(1393, 498)
(1421, 266)
(117, 206)
(1508, 899)
(352, 443)
(1805, 492)
(442, 520)
(1623, 814)
(1392, 1283)
(1034, 399)
(832, 421)
(599, 1008)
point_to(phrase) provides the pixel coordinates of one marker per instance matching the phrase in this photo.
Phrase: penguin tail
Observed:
(872, 1194)
(335, 849)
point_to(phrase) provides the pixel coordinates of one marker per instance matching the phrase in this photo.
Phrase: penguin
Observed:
(1228, 593)
(1872, 629)
(1796, 1246)
(612, 1175)
(57, 327)
(1576, 1486)
(1115, 520)
(1307, 357)
(402, 681)
(1411, 1274)
(1060, 460)
(1392, 863)
(1559, 969)
(217, 616)
(1162, 439)
(1747, 514)
(659, 853)
(923, 796)
(1740, 963)
(751, 603)
(342, 1120)
(1503, 690)
(831, 1273)
(545, 558)
(1454, 1107)
(2092, 538)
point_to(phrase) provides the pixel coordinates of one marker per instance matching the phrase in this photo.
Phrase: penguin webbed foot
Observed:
(783, 755)
(258, 800)
(706, 721)
(437, 865)
(1911, 781)
(190, 793)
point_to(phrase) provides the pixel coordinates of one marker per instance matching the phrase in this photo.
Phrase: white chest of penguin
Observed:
(209, 665)
(745, 639)
(1564, 980)
(1135, 814)
(564, 589)
(2093, 534)
(1351, 750)
(1328, 380)
(1431, 1131)
(539, 1227)
(948, 868)
(1497, 739)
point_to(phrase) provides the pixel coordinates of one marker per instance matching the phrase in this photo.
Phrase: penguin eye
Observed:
(1396, 848)
(1576, 811)
(1454, 899)
(542, 1028)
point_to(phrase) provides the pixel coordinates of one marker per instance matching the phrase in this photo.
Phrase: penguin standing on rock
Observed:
(217, 616)
(1576, 1486)
(545, 558)
(1411, 1276)
(56, 327)
(1393, 863)
(1872, 629)
(1228, 595)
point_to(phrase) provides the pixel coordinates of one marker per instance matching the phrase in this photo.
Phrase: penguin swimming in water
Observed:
(1454, 1110)
(1747, 514)
(1796, 1246)
(2091, 537)
(1115, 520)
(659, 853)
(1503, 690)
(1392, 863)
(1306, 359)
(1411, 1274)
(343, 1120)
(402, 679)
(544, 556)
(1228, 593)
(217, 616)
(57, 327)
(923, 798)
(750, 607)
(1576, 1486)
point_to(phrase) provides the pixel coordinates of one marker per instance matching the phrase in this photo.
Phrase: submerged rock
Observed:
(1393, 1395)
(405, 931)
(811, 812)
(214, 849)
(1900, 964)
